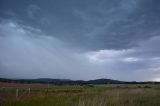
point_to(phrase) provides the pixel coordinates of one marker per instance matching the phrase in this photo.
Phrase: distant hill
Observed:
(104, 81)
(68, 81)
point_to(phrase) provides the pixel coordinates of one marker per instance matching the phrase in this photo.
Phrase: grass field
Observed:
(76, 95)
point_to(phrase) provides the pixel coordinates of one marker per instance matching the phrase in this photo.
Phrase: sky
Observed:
(80, 39)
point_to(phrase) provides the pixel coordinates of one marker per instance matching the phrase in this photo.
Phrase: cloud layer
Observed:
(97, 24)
(80, 39)
(27, 53)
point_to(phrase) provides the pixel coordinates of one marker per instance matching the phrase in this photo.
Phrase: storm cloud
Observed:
(85, 39)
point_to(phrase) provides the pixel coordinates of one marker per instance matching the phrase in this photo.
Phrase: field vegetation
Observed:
(79, 95)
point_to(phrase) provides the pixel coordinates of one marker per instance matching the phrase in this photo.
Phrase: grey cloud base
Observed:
(80, 39)
(104, 24)
(41, 56)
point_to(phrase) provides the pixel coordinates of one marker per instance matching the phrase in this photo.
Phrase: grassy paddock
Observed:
(75, 95)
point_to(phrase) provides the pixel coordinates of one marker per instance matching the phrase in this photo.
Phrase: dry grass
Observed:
(74, 95)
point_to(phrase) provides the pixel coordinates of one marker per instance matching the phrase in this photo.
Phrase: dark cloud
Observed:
(89, 24)
(28, 54)
(86, 39)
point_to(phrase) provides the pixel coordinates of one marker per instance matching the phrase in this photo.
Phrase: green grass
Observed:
(95, 95)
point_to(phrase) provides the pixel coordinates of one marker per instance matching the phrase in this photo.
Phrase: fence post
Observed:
(29, 90)
(16, 93)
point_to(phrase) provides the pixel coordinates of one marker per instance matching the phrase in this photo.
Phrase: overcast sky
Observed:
(80, 39)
